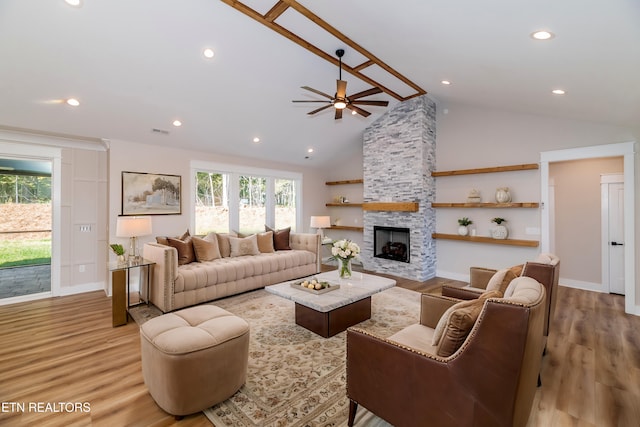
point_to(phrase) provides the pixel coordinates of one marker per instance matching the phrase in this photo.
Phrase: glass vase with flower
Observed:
(344, 251)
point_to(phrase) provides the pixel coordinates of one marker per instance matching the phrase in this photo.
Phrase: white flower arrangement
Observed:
(345, 250)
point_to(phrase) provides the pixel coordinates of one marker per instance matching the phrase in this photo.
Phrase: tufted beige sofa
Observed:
(174, 287)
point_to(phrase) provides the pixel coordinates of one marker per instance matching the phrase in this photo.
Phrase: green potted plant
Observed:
(499, 231)
(118, 250)
(463, 223)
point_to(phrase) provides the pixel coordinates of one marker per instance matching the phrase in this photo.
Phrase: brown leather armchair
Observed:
(489, 381)
(545, 269)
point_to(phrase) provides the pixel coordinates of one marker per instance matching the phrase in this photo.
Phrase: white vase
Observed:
(503, 195)
(463, 230)
(499, 232)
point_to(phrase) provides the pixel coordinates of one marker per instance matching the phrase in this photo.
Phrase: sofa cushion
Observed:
(501, 279)
(244, 246)
(184, 247)
(525, 290)
(280, 238)
(442, 323)
(206, 249)
(265, 242)
(163, 239)
(458, 326)
(223, 243)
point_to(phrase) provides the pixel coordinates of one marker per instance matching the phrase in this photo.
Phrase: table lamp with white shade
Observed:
(320, 222)
(133, 227)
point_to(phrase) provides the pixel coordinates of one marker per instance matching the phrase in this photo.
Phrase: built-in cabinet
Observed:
(490, 205)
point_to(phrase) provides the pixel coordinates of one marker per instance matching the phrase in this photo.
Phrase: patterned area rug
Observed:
(297, 378)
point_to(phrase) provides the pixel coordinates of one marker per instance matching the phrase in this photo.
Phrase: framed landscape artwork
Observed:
(150, 194)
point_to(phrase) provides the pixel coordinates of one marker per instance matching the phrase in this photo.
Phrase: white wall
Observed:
(473, 137)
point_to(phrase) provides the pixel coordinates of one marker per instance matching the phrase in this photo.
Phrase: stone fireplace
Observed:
(399, 155)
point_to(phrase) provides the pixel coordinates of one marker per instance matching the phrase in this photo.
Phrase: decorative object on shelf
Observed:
(463, 223)
(499, 231)
(344, 251)
(474, 196)
(133, 227)
(320, 222)
(119, 251)
(503, 195)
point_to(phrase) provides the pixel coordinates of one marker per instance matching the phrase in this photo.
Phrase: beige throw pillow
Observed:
(223, 243)
(244, 246)
(442, 323)
(265, 242)
(501, 279)
(206, 249)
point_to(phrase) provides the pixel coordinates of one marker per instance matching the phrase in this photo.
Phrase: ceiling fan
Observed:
(340, 100)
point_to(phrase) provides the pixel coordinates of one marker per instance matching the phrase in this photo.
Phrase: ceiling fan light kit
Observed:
(340, 100)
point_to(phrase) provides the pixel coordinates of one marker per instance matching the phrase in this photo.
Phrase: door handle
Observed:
(617, 244)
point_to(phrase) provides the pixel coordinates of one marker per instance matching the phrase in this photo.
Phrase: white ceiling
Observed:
(137, 65)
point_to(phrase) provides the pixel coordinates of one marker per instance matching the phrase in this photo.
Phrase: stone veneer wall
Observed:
(399, 155)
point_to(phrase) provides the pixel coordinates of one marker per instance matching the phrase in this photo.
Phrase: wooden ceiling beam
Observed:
(283, 5)
(277, 10)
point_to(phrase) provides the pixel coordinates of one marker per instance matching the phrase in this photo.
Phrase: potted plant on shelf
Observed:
(118, 250)
(499, 231)
(463, 223)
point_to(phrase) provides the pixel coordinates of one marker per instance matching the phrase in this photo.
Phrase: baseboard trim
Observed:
(80, 289)
(453, 276)
(579, 284)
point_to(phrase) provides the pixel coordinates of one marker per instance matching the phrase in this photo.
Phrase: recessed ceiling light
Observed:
(542, 35)
(558, 92)
(177, 123)
(74, 3)
(256, 139)
(73, 102)
(208, 53)
(354, 112)
(310, 150)
(445, 82)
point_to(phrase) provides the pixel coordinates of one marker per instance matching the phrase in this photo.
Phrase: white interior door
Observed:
(613, 241)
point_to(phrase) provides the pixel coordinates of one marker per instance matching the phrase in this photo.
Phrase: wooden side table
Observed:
(120, 288)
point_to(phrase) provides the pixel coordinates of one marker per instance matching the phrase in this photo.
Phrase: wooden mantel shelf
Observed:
(391, 206)
(510, 168)
(482, 239)
(345, 182)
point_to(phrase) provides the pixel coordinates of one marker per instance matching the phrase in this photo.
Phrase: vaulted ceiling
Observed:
(136, 66)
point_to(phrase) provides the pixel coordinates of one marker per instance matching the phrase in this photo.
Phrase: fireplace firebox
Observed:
(391, 243)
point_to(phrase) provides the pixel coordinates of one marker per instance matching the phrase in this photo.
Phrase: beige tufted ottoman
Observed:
(194, 358)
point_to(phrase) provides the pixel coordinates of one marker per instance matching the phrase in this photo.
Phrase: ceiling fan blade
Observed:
(364, 93)
(319, 100)
(360, 111)
(338, 114)
(316, 91)
(319, 109)
(341, 91)
(372, 102)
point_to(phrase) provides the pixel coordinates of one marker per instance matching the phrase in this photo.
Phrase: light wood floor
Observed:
(65, 350)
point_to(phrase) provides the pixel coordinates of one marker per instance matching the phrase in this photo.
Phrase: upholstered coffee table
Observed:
(332, 312)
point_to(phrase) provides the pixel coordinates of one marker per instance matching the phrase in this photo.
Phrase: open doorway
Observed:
(548, 213)
(26, 228)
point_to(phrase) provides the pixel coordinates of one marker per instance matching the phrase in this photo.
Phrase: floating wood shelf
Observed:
(391, 206)
(510, 168)
(486, 205)
(481, 239)
(344, 205)
(348, 181)
(346, 227)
